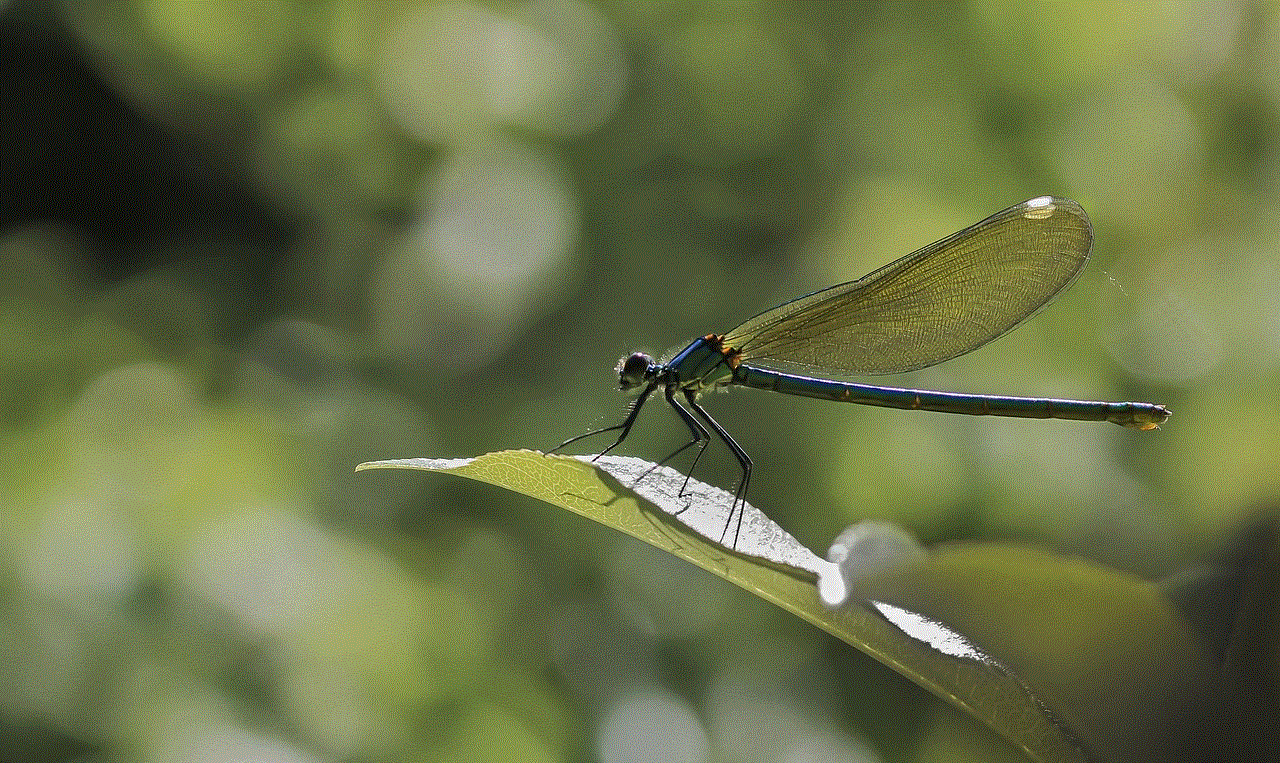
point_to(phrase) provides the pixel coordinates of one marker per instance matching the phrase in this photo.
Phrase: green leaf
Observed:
(1068, 660)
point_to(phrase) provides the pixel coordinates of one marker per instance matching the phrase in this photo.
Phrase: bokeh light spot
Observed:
(490, 253)
(453, 70)
(651, 727)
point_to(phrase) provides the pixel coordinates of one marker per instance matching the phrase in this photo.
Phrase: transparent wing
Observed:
(944, 300)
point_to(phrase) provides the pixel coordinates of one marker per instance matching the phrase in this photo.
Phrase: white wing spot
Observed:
(1039, 208)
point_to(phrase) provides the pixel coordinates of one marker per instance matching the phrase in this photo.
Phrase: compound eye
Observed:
(632, 370)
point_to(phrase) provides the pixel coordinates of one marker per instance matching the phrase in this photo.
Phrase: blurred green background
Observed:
(246, 246)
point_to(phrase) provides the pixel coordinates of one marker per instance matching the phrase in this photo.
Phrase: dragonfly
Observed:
(939, 302)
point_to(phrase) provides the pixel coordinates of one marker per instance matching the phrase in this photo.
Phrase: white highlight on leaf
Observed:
(704, 509)
(931, 632)
(437, 464)
(698, 506)
(832, 589)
